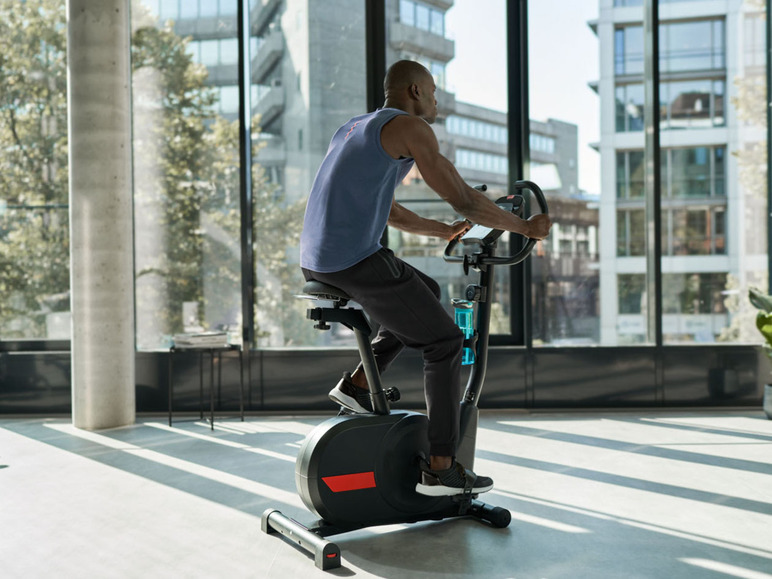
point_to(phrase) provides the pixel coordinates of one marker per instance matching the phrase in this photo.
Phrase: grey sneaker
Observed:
(455, 480)
(349, 396)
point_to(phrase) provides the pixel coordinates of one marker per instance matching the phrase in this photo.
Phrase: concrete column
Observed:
(101, 235)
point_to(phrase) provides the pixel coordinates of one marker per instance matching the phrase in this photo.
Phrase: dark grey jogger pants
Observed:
(405, 302)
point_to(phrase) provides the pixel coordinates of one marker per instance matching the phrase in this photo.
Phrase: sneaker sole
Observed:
(347, 401)
(441, 491)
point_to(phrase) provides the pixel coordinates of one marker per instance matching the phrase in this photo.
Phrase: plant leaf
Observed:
(759, 300)
(764, 324)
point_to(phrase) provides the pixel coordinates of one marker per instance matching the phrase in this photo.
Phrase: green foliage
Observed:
(34, 237)
(194, 155)
(763, 303)
(186, 161)
(178, 146)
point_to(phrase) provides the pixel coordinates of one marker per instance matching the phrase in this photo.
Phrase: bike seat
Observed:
(322, 291)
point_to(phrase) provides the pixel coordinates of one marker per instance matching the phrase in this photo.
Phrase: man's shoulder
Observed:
(406, 122)
(405, 133)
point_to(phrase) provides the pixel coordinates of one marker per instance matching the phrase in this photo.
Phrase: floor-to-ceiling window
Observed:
(34, 228)
(711, 131)
(564, 99)
(470, 72)
(308, 63)
(693, 63)
(186, 178)
(308, 78)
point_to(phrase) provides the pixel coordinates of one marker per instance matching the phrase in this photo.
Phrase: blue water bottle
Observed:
(464, 310)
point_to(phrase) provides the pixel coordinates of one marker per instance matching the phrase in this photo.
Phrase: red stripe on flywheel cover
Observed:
(350, 482)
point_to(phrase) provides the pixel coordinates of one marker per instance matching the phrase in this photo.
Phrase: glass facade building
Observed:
(707, 68)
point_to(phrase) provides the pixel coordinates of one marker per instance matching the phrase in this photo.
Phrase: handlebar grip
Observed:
(449, 249)
(537, 192)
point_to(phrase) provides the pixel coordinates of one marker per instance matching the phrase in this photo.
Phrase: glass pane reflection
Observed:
(564, 102)
(186, 187)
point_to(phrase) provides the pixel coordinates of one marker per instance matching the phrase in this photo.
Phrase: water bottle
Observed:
(464, 311)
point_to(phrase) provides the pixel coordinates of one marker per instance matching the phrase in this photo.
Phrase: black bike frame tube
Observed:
(468, 415)
(483, 323)
(377, 395)
(326, 554)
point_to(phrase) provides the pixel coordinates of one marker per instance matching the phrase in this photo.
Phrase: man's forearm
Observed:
(469, 202)
(480, 209)
(405, 220)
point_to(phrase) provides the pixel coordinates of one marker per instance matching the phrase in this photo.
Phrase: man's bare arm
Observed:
(412, 137)
(405, 220)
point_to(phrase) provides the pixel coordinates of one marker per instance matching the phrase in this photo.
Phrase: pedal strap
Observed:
(469, 479)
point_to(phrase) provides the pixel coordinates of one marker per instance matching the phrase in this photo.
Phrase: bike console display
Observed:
(482, 235)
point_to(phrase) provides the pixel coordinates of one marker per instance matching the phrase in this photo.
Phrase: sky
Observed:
(563, 59)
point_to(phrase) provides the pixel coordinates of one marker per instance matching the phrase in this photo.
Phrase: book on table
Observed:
(201, 340)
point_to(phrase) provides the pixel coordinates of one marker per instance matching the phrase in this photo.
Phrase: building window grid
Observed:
(630, 172)
(630, 175)
(705, 111)
(219, 52)
(542, 143)
(691, 293)
(694, 230)
(422, 16)
(192, 9)
(628, 47)
(628, 3)
(674, 58)
(712, 157)
(466, 127)
(688, 229)
(685, 231)
(479, 161)
(629, 103)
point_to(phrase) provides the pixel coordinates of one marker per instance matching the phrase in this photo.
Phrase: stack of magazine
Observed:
(201, 340)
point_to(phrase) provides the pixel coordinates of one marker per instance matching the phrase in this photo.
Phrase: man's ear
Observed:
(414, 91)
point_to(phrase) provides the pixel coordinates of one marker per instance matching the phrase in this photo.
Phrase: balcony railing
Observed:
(269, 53)
(271, 105)
(260, 14)
(412, 39)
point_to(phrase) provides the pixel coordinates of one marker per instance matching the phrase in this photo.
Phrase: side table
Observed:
(212, 351)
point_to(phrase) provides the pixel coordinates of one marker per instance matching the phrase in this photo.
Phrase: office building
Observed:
(710, 60)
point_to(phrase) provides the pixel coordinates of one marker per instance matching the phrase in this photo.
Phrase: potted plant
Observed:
(763, 303)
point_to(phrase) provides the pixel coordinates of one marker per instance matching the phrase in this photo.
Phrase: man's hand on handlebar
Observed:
(458, 228)
(538, 226)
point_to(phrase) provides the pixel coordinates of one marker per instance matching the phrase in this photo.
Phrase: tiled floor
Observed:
(592, 495)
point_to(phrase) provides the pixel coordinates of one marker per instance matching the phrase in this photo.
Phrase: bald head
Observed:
(410, 87)
(402, 74)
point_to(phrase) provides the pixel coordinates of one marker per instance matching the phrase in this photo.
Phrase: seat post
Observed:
(355, 320)
(377, 394)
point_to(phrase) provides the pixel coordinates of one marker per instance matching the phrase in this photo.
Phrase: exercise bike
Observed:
(360, 470)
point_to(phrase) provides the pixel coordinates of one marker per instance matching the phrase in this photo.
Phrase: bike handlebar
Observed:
(504, 260)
